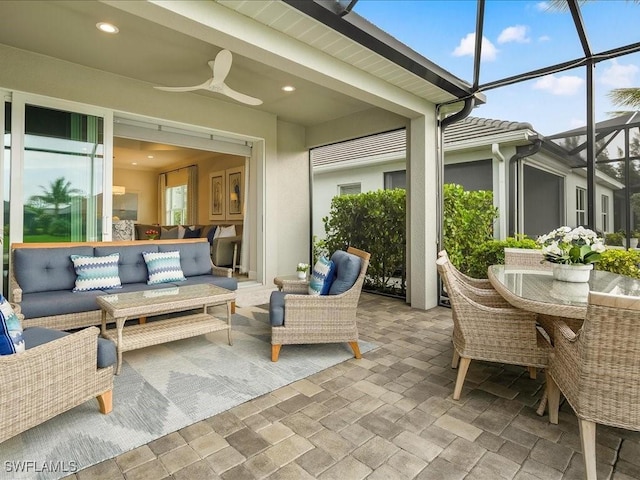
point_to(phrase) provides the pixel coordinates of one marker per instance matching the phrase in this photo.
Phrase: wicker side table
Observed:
(292, 284)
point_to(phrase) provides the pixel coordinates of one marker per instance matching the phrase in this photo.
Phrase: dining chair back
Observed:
(490, 330)
(531, 258)
(597, 370)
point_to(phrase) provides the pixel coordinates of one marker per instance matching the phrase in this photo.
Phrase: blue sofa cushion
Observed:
(46, 269)
(58, 302)
(131, 266)
(34, 336)
(322, 277)
(96, 273)
(135, 287)
(11, 340)
(195, 258)
(276, 309)
(347, 271)
(163, 267)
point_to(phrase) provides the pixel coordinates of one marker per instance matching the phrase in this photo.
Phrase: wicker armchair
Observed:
(486, 329)
(321, 319)
(597, 370)
(49, 379)
(474, 282)
(530, 258)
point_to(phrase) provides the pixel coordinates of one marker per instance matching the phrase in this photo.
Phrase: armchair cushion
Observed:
(96, 273)
(11, 335)
(321, 277)
(276, 309)
(347, 271)
(34, 336)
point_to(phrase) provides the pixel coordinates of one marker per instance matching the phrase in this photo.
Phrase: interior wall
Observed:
(145, 184)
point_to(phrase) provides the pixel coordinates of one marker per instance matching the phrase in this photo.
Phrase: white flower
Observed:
(598, 247)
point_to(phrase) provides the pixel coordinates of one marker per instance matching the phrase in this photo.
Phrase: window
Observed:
(397, 179)
(175, 205)
(581, 206)
(604, 200)
(349, 189)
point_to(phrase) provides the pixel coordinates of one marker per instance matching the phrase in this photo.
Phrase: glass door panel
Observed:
(63, 176)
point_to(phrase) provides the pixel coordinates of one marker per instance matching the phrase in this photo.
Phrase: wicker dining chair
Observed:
(488, 331)
(597, 369)
(474, 282)
(320, 318)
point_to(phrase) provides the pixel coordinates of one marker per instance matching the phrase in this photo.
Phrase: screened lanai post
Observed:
(162, 187)
(244, 247)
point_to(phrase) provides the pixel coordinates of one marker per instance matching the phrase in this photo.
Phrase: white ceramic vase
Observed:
(302, 275)
(574, 273)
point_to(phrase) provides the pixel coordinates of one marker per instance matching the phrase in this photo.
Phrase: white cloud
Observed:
(544, 38)
(517, 33)
(468, 44)
(576, 123)
(566, 85)
(619, 76)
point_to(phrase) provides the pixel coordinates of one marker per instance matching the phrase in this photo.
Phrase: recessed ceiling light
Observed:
(149, 156)
(288, 88)
(134, 163)
(107, 27)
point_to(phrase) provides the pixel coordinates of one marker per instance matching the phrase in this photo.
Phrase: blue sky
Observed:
(520, 36)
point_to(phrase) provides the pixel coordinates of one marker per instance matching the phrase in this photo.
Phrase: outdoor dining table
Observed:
(537, 291)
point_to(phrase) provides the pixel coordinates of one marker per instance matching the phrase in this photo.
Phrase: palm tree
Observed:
(59, 193)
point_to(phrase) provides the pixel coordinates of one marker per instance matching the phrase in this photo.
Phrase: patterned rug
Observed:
(164, 388)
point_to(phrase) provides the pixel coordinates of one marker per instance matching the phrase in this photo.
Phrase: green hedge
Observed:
(624, 262)
(374, 222)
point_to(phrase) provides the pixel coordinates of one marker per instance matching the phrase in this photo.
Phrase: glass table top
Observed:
(540, 286)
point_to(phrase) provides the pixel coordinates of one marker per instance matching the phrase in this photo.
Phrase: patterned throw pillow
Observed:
(163, 267)
(321, 277)
(96, 273)
(10, 330)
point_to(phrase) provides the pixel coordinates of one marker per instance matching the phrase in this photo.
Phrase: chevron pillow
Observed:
(163, 267)
(96, 273)
(11, 340)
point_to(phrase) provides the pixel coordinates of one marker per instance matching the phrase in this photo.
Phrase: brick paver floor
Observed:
(389, 415)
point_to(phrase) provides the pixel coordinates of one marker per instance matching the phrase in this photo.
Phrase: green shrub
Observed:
(467, 222)
(492, 253)
(374, 222)
(614, 238)
(624, 262)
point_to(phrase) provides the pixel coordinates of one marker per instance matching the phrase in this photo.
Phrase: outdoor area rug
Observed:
(164, 388)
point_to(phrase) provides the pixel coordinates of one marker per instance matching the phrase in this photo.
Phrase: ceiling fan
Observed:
(220, 67)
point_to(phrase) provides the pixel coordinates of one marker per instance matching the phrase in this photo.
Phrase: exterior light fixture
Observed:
(107, 27)
(118, 190)
(288, 88)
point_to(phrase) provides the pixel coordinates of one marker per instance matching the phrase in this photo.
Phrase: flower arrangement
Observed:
(302, 267)
(151, 234)
(571, 246)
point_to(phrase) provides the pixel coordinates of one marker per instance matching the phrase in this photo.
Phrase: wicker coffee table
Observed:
(124, 306)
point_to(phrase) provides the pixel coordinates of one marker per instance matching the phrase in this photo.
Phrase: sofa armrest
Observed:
(16, 295)
(222, 250)
(222, 271)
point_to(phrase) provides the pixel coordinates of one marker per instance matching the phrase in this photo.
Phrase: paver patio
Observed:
(389, 415)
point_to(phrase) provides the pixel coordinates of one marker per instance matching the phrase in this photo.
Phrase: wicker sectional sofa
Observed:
(42, 277)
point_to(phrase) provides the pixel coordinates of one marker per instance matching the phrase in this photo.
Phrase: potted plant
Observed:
(302, 269)
(573, 251)
(633, 240)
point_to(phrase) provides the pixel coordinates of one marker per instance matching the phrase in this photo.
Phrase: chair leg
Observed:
(553, 398)
(233, 307)
(105, 402)
(588, 441)
(462, 373)
(533, 373)
(356, 349)
(455, 359)
(275, 352)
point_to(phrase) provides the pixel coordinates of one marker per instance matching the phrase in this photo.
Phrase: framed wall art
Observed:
(235, 193)
(217, 195)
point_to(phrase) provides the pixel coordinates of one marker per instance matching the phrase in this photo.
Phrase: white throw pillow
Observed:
(222, 232)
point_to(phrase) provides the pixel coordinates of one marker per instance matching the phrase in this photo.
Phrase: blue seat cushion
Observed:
(224, 282)
(59, 302)
(347, 271)
(34, 336)
(195, 258)
(276, 309)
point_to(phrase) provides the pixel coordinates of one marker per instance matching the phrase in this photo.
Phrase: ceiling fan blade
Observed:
(241, 97)
(204, 85)
(221, 66)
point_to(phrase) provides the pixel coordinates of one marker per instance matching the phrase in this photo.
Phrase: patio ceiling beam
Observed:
(478, 52)
(577, 20)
